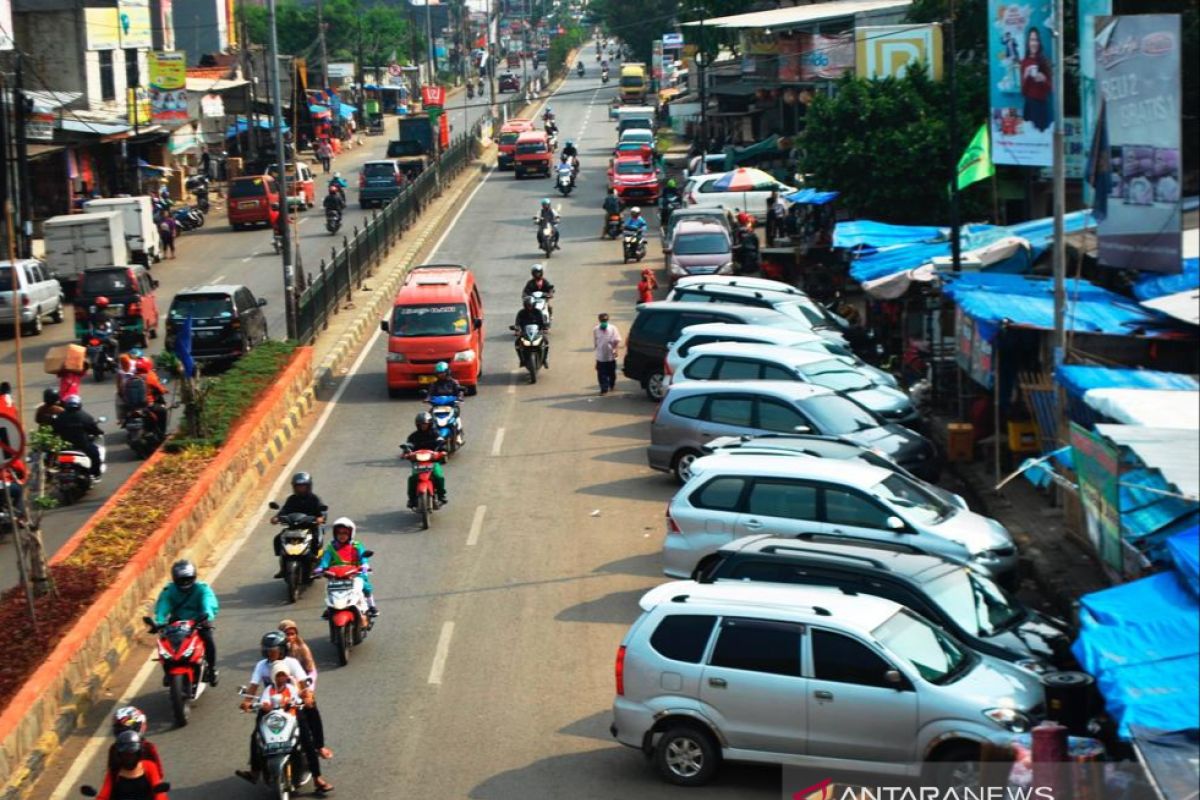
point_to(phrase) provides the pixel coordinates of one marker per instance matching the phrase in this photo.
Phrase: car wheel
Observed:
(34, 328)
(956, 765)
(682, 466)
(656, 386)
(58, 315)
(686, 756)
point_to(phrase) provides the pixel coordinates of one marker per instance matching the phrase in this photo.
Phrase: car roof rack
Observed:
(783, 549)
(820, 611)
(862, 540)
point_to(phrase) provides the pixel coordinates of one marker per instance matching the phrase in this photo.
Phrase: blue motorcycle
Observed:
(446, 420)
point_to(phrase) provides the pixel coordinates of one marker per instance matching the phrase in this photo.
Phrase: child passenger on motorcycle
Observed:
(344, 550)
(426, 437)
(283, 694)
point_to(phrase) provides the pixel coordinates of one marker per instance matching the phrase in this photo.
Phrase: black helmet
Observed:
(183, 574)
(274, 640)
(302, 479)
(50, 396)
(129, 742)
(424, 418)
(527, 301)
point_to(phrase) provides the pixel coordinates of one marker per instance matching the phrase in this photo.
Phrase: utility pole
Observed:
(289, 289)
(700, 59)
(432, 77)
(952, 79)
(1060, 191)
(248, 72)
(23, 189)
(321, 39)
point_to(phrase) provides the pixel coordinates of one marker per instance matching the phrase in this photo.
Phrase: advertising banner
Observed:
(826, 57)
(1074, 151)
(1021, 72)
(674, 40)
(6, 25)
(656, 61)
(887, 51)
(212, 105)
(137, 106)
(1097, 463)
(1088, 105)
(39, 126)
(102, 28)
(134, 19)
(1137, 72)
(168, 82)
(974, 351)
(790, 51)
(433, 96)
(339, 70)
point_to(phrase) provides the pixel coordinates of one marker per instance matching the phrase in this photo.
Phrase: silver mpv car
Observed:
(810, 677)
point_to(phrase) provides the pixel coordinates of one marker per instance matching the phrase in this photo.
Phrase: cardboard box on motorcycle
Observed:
(65, 358)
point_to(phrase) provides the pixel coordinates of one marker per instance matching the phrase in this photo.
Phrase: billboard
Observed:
(1138, 73)
(672, 40)
(1021, 70)
(886, 51)
(102, 27)
(826, 57)
(134, 18)
(1087, 74)
(6, 25)
(168, 82)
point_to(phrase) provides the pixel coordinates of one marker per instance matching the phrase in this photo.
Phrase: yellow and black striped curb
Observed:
(288, 429)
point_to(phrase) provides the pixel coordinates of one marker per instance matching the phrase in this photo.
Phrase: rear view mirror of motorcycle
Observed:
(101, 419)
(368, 553)
(273, 505)
(88, 791)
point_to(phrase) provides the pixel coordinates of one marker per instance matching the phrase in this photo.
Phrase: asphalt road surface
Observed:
(490, 671)
(211, 255)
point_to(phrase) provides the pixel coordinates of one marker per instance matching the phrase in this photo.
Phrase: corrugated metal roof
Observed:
(1171, 451)
(1079, 378)
(803, 15)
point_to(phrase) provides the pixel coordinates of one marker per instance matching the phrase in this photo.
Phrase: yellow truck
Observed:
(634, 84)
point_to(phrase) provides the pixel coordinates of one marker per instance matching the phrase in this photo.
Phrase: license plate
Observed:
(426, 378)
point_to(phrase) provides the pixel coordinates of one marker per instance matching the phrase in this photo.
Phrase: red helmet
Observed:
(143, 364)
(102, 302)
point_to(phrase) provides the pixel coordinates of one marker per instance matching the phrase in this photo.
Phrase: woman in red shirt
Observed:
(138, 776)
(1035, 81)
(646, 287)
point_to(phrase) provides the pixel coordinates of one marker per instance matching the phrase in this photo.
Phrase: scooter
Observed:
(634, 246)
(541, 301)
(101, 346)
(188, 218)
(564, 182)
(71, 472)
(333, 220)
(423, 462)
(184, 661)
(447, 420)
(346, 608)
(278, 737)
(198, 185)
(612, 227)
(531, 346)
(604, 76)
(545, 236)
(301, 543)
(579, 69)
(470, 91)
(142, 433)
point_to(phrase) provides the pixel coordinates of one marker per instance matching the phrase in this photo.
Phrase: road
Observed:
(211, 255)
(490, 672)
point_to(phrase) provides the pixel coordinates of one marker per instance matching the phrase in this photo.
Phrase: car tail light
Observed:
(672, 525)
(399, 178)
(25, 301)
(93, 341)
(362, 179)
(620, 670)
(667, 367)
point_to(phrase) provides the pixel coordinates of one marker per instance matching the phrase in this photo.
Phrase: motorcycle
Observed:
(333, 220)
(531, 346)
(541, 301)
(277, 734)
(612, 227)
(198, 185)
(634, 246)
(101, 346)
(545, 236)
(579, 69)
(158, 788)
(346, 608)
(184, 661)
(604, 76)
(142, 433)
(71, 473)
(447, 420)
(669, 206)
(565, 182)
(470, 91)
(188, 218)
(748, 258)
(301, 543)
(423, 462)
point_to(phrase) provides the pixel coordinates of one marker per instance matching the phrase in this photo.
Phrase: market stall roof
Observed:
(1079, 378)
(1183, 306)
(779, 18)
(241, 126)
(1147, 406)
(1171, 451)
(993, 300)
(813, 197)
(865, 233)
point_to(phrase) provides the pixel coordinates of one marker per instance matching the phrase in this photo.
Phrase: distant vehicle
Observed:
(534, 154)
(699, 247)
(415, 145)
(29, 294)
(227, 321)
(253, 200)
(633, 83)
(508, 82)
(300, 183)
(132, 305)
(75, 242)
(379, 182)
(141, 232)
(506, 141)
(700, 191)
(634, 181)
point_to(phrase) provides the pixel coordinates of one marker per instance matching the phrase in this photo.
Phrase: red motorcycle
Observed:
(423, 462)
(346, 608)
(184, 660)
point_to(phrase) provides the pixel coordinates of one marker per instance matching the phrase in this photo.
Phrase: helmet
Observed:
(570, 142)
(135, 353)
(274, 640)
(545, 202)
(536, 270)
(424, 418)
(527, 301)
(671, 184)
(183, 574)
(143, 367)
(302, 479)
(636, 210)
(50, 396)
(128, 718)
(343, 522)
(129, 742)
(102, 302)
(441, 368)
(337, 175)
(72, 401)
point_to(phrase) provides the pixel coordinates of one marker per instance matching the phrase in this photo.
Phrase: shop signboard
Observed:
(974, 354)
(1021, 70)
(825, 57)
(887, 51)
(102, 28)
(339, 70)
(1098, 465)
(168, 82)
(672, 40)
(134, 18)
(212, 106)
(1139, 158)
(137, 106)
(39, 126)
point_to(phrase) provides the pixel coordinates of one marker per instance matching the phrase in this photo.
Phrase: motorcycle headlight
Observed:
(188, 653)
(396, 358)
(465, 355)
(1009, 718)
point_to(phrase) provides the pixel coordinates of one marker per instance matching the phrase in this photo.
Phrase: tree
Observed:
(365, 30)
(637, 24)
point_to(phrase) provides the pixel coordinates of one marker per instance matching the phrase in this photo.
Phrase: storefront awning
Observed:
(812, 197)
(75, 125)
(1077, 379)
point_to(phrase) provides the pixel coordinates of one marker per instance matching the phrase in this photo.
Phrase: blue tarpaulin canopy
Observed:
(813, 197)
(1141, 641)
(1185, 551)
(346, 111)
(992, 299)
(1077, 379)
(241, 126)
(874, 235)
(1155, 285)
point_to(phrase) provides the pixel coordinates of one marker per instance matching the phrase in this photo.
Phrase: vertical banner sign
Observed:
(656, 61)
(433, 96)
(1097, 464)
(166, 22)
(1088, 105)
(1137, 73)
(102, 28)
(790, 53)
(1021, 59)
(6, 25)
(887, 51)
(134, 18)
(168, 82)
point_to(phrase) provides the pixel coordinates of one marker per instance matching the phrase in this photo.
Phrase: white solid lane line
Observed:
(441, 654)
(476, 526)
(498, 442)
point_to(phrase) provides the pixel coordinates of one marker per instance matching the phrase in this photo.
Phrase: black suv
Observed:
(966, 603)
(227, 321)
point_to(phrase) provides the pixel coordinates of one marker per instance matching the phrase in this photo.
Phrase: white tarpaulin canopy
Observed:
(1183, 306)
(1149, 407)
(1171, 451)
(889, 287)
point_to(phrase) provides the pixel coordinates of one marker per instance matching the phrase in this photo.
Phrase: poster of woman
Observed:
(1022, 83)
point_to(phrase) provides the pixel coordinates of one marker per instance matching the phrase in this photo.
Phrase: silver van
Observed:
(809, 677)
(29, 288)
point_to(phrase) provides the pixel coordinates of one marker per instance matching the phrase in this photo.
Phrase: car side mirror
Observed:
(153, 283)
(478, 322)
(894, 677)
(383, 325)
(273, 505)
(802, 429)
(262, 301)
(894, 523)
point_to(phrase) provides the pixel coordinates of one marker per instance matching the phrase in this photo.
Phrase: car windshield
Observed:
(430, 320)
(632, 168)
(837, 415)
(974, 602)
(531, 147)
(937, 657)
(379, 170)
(201, 306)
(637, 136)
(632, 81)
(701, 244)
(919, 504)
(510, 137)
(254, 187)
(799, 310)
(835, 374)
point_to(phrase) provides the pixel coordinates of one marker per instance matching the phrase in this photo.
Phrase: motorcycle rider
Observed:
(282, 693)
(579, 68)
(444, 384)
(186, 598)
(612, 206)
(76, 427)
(426, 437)
(530, 315)
(131, 718)
(537, 283)
(334, 201)
(570, 150)
(50, 408)
(135, 776)
(564, 168)
(546, 214)
(636, 223)
(670, 197)
(145, 390)
(338, 184)
(302, 500)
(346, 550)
(102, 325)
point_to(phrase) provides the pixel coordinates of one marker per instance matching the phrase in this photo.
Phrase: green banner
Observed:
(976, 162)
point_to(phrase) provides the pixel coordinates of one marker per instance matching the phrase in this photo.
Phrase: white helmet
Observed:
(636, 210)
(344, 522)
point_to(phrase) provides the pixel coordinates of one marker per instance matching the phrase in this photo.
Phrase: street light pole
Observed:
(952, 79)
(700, 59)
(289, 278)
(432, 77)
(1060, 189)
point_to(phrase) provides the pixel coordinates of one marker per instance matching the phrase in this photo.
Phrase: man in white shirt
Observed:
(606, 340)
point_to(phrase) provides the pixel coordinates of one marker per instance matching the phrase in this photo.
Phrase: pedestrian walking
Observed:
(772, 200)
(324, 154)
(646, 286)
(606, 340)
(167, 228)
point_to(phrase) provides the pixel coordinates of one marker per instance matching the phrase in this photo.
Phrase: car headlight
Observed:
(1009, 718)
(726, 268)
(465, 355)
(1034, 665)
(396, 358)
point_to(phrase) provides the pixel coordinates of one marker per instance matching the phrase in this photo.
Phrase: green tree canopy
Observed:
(369, 30)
